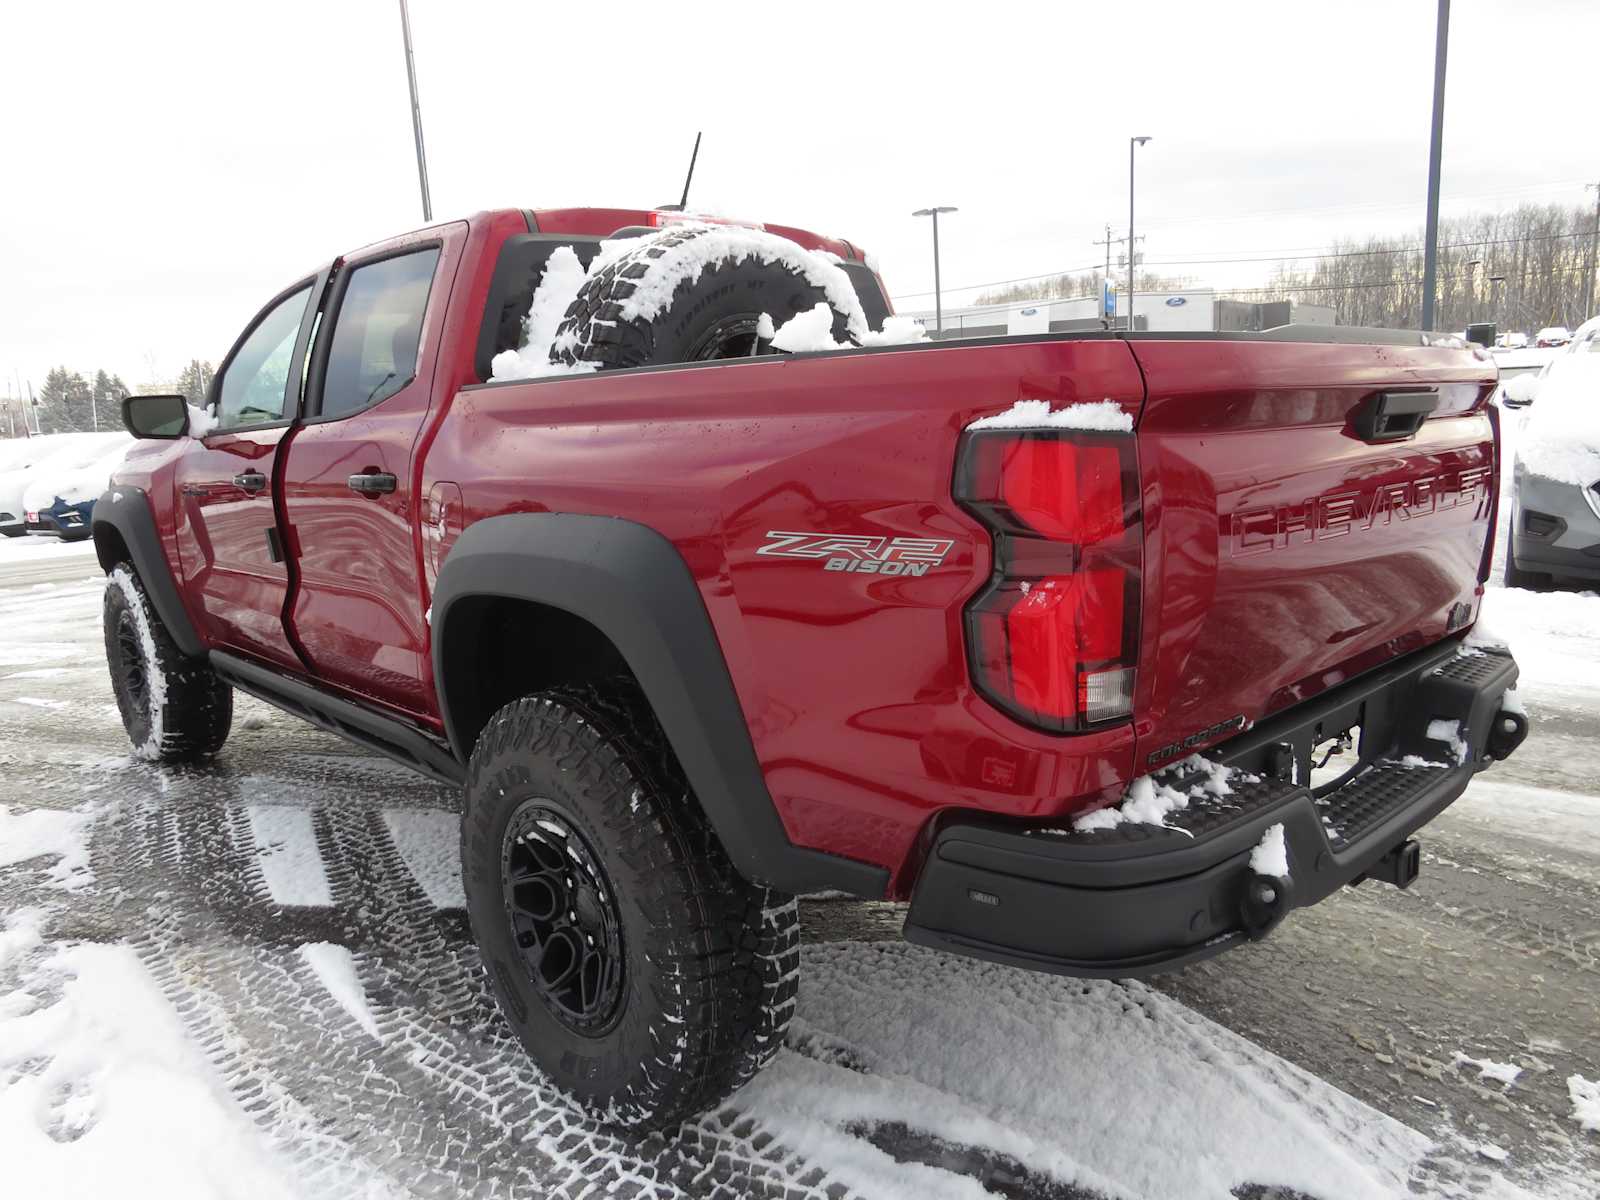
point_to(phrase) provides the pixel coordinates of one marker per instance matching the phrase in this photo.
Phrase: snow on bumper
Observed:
(1136, 899)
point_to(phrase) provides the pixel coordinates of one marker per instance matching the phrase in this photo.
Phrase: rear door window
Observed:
(377, 331)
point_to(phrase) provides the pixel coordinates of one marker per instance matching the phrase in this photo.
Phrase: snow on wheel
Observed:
(645, 977)
(699, 293)
(175, 709)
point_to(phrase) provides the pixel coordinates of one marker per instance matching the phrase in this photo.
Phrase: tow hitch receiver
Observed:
(1267, 900)
(1506, 734)
(1400, 866)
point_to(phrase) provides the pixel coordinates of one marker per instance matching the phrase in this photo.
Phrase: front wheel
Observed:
(174, 708)
(645, 977)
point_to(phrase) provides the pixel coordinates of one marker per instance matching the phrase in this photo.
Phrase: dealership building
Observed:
(1187, 311)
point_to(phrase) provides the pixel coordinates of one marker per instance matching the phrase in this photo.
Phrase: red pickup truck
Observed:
(1052, 636)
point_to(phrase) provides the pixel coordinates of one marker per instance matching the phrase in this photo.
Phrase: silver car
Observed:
(1555, 526)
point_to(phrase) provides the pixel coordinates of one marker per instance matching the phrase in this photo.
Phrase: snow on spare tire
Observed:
(691, 293)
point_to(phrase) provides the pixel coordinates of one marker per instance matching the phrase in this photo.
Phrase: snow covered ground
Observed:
(255, 979)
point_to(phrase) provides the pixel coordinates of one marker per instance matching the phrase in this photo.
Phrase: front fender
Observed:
(124, 527)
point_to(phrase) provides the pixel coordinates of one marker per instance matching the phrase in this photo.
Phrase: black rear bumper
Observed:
(1139, 899)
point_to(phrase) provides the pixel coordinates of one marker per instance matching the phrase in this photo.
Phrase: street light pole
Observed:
(1430, 247)
(1594, 253)
(1133, 144)
(416, 114)
(938, 299)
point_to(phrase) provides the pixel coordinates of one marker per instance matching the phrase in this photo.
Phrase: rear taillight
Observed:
(1053, 639)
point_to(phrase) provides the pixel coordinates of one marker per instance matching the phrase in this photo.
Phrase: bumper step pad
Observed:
(1136, 899)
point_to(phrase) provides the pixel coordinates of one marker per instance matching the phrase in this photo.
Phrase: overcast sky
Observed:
(168, 166)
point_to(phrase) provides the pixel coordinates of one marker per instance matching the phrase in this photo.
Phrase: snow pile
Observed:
(102, 1094)
(201, 421)
(812, 331)
(1585, 1102)
(48, 833)
(1561, 439)
(429, 842)
(1103, 416)
(77, 485)
(1450, 733)
(1150, 801)
(335, 968)
(806, 331)
(564, 276)
(896, 331)
(1271, 855)
(1098, 1088)
(1496, 1072)
(286, 849)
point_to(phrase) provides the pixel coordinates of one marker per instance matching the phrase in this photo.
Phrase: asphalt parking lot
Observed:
(293, 909)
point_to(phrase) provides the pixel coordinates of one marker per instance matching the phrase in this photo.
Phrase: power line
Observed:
(1275, 257)
(1364, 207)
(1550, 237)
(1383, 283)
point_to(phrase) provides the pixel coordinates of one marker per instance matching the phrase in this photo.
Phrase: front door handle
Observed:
(250, 481)
(373, 483)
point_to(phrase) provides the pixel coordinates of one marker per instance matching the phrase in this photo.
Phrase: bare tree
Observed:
(1522, 269)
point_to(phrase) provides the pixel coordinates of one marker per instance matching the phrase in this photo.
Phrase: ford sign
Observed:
(1177, 301)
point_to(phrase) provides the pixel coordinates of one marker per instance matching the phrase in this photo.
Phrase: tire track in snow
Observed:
(447, 1102)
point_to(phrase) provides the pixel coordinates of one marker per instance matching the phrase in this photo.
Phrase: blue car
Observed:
(59, 502)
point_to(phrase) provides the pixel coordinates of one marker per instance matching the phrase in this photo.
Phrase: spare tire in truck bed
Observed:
(696, 294)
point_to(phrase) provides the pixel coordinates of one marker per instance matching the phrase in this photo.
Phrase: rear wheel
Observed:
(174, 708)
(645, 977)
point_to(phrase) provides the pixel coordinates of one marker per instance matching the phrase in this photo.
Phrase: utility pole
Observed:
(1133, 144)
(416, 114)
(1430, 248)
(938, 299)
(1594, 253)
(1105, 280)
(1108, 241)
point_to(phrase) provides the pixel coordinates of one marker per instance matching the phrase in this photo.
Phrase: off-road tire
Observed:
(174, 708)
(708, 960)
(711, 314)
(1516, 577)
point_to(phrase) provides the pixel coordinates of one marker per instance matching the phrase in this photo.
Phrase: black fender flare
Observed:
(126, 510)
(629, 582)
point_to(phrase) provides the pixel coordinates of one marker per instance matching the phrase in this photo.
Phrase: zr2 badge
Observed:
(859, 553)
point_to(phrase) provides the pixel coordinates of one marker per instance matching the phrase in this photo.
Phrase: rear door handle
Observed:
(250, 481)
(373, 483)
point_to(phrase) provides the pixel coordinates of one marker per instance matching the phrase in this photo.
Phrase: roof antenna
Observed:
(688, 179)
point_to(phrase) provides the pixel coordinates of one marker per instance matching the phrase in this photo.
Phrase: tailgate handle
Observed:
(1393, 416)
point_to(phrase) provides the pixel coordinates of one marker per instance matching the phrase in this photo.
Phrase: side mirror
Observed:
(1482, 332)
(156, 416)
(1519, 391)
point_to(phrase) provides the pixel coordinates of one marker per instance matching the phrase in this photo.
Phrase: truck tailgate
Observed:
(1288, 545)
